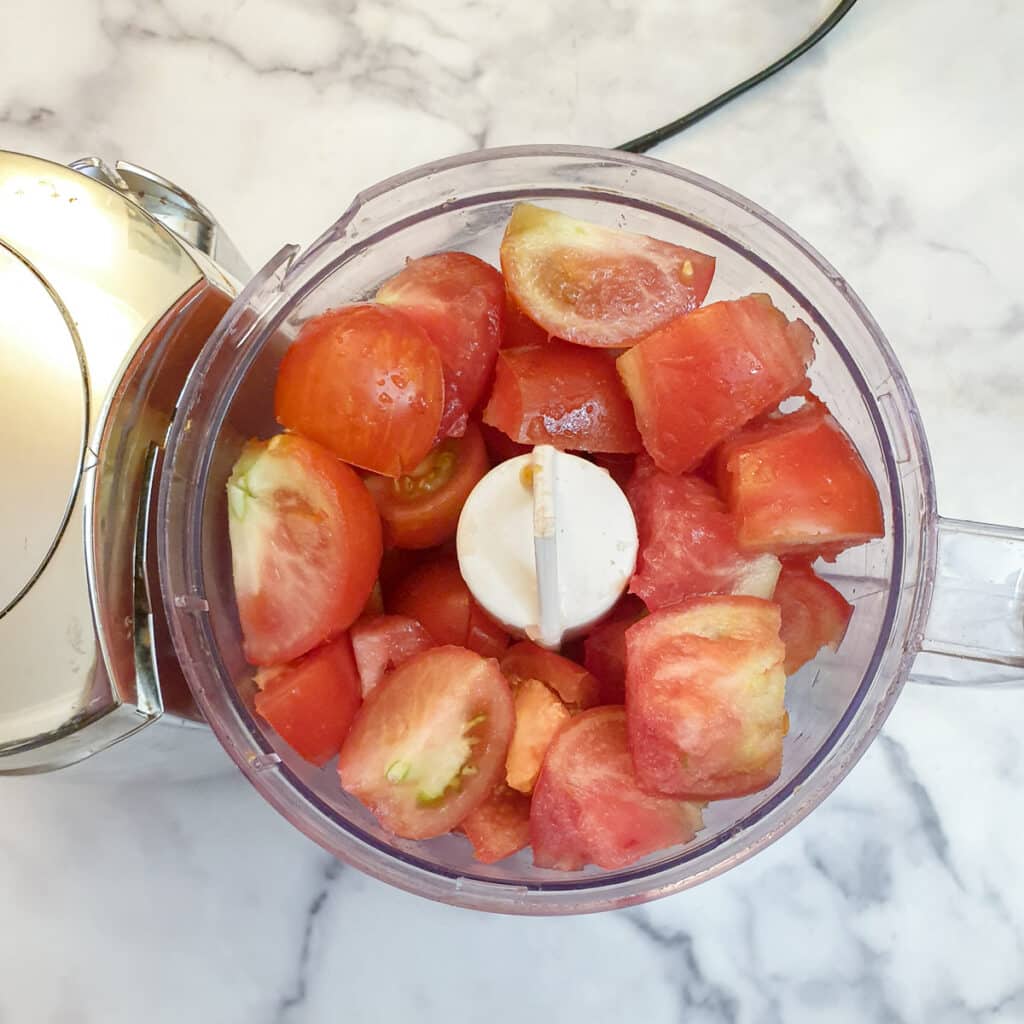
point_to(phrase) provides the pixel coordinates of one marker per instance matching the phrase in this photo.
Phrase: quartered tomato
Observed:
(305, 546)
(460, 302)
(701, 377)
(421, 509)
(575, 686)
(436, 595)
(500, 826)
(520, 330)
(797, 485)
(594, 285)
(367, 382)
(311, 702)
(604, 649)
(814, 614)
(381, 643)
(704, 693)
(539, 715)
(587, 807)
(428, 745)
(688, 543)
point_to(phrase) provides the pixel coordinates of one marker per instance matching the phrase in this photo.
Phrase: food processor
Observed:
(134, 373)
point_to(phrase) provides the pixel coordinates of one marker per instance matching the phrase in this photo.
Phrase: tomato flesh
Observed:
(576, 687)
(382, 643)
(539, 715)
(520, 330)
(604, 649)
(814, 614)
(500, 826)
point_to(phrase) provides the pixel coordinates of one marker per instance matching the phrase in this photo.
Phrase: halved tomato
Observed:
(421, 509)
(305, 546)
(500, 826)
(367, 382)
(428, 745)
(460, 302)
(576, 687)
(688, 543)
(701, 377)
(704, 695)
(311, 702)
(382, 643)
(587, 807)
(520, 330)
(594, 285)
(814, 614)
(604, 649)
(539, 714)
(798, 486)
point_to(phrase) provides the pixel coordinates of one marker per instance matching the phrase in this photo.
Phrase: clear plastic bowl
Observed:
(836, 705)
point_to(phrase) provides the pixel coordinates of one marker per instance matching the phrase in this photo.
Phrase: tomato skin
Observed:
(563, 395)
(575, 686)
(460, 302)
(305, 546)
(382, 643)
(366, 382)
(539, 715)
(704, 697)
(814, 614)
(415, 513)
(587, 807)
(311, 702)
(604, 649)
(443, 710)
(731, 360)
(500, 826)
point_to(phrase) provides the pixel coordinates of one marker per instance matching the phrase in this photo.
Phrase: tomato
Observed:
(587, 807)
(814, 614)
(520, 330)
(460, 302)
(539, 714)
(366, 382)
(421, 509)
(620, 467)
(384, 642)
(563, 395)
(311, 702)
(797, 485)
(500, 826)
(701, 377)
(428, 745)
(501, 447)
(594, 285)
(604, 649)
(436, 595)
(688, 543)
(574, 684)
(704, 696)
(305, 546)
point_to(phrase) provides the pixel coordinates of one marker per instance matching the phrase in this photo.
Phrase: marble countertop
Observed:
(896, 149)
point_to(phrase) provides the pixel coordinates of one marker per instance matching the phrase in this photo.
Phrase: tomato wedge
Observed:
(384, 642)
(539, 715)
(563, 395)
(428, 745)
(500, 826)
(814, 614)
(366, 382)
(460, 302)
(594, 285)
(704, 693)
(587, 807)
(520, 330)
(311, 702)
(701, 377)
(421, 509)
(604, 649)
(305, 546)
(575, 686)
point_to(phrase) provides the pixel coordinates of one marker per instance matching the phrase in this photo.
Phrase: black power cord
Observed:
(644, 142)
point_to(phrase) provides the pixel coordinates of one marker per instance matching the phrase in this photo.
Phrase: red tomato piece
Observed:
(501, 447)
(573, 683)
(604, 650)
(520, 330)
(421, 509)
(500, 826)
(305, 546)
(814, 614)
(798, 486)
(563, 395)
(594, 285)
(620, 466)
(539, 715)
(366, 382)
(587, 807)
(704, 695)
(428, 745)
(311, 702)
(701, 377)
(383, 643)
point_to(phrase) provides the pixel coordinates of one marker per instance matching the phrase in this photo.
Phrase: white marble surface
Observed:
(896, 148)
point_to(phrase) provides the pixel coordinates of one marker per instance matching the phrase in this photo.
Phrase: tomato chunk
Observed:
(575, 686)
(384, 642)
(305, 546)
(428, 745)
(500, 826)
(704, 695)
(563, 395)
(500, 446)
(421, 509)
(311, 702)
(539, 715)
(701, 377)
(366, 382)
(520, 330)
(587, 807)
(814, 614)
(460, 302)
(797, 485)
(604, 649)
(594, 285)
